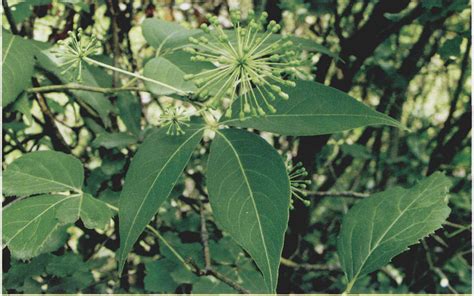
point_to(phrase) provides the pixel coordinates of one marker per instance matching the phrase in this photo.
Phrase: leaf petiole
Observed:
(135, 75)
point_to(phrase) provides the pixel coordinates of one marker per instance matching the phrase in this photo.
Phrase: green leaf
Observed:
(382, 226)
(114, 140)
(183, 61)
(153, 172)
(130, 111)
(19, 271)
(65, 265)
(312, 109)
(17, 66)
(432, 3)
(249, 192)
(43, 172)
(158, 276)
(165, 35)
(30, 226)
(24, 105)
(93, 212)
(164, 71)
(211, 285)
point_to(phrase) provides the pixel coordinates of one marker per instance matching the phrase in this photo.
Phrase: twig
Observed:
(228, 281)
(205, 238)
(115, 40)
(189, 264)
(306, 266)
(75, 86)
(338, 194)
(9, 16)
(50, 127)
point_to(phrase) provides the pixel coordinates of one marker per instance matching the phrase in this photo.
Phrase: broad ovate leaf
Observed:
(164, 35)
(30, 226)
(385, 224)
(94, 213)
(312, 109)
(43, 172)
(249, 192)
(153, 172)
(170, 78)
(17, 66)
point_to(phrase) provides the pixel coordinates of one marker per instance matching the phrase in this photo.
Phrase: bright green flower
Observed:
(174, 118)
(249, 64)
(298, 184)
(73, 50)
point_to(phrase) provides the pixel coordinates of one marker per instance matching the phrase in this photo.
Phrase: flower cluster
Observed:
(250, 63)
(297, 184)
(174, 118)
(73, 50)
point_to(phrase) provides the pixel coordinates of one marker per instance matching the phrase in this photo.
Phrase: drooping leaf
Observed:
(164, 71)
(30, 226)
(17, 66)
(93, 212)
(152, 175)
(249, 192)
(382, 226)
(113, 140)
(43, 172)
(165, 35)
(312, 109)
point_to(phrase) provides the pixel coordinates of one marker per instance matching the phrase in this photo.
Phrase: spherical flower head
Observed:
(298, 182)
(73, 50)
(174, 118)
(250, 64)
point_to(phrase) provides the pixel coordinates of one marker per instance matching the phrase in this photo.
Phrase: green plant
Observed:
(247, 77)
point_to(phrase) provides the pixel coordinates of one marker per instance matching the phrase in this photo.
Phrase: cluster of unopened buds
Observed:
(250, 64)
(73, 51)
(298, 184)
(175, 118)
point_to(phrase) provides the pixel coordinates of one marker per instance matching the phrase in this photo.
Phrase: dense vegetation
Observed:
(236, 146)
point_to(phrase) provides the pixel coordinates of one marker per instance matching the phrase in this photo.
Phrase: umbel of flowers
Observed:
(250, 64)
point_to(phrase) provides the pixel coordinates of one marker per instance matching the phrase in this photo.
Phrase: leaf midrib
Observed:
(48, 180)
(253, 203)
(309, 115)
(377, 244)
(7, 51)
(39, 216)
(149, 190)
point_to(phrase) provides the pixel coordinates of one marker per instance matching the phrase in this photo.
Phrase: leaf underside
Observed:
(249, 193)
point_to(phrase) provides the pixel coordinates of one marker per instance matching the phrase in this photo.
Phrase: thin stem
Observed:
(160, 237)
(75, 86)
(349, 286)
(173, 250)
(100, 64)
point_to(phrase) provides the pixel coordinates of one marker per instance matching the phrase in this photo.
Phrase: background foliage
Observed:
(407, 59)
